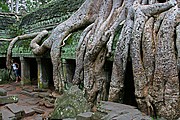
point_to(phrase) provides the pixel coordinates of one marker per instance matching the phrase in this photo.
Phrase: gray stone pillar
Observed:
(69, 67)
(46, 71)
(42, 81)
(25, 71)
(39, 73)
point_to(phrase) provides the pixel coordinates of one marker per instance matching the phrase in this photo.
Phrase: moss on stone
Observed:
(71, 103)
(55, 12)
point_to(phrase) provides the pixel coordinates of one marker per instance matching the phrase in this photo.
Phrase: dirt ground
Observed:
(31, 100)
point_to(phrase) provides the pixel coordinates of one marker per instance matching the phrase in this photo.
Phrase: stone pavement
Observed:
(29, 103)
(25, 102)
(113, 111)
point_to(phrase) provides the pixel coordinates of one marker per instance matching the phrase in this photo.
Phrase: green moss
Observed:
(69, 50)
(5, 22)
(14, 30)
(4, 76)
(71, 103)
(56, 8)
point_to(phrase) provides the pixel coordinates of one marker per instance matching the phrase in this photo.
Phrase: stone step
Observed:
(31, 94)
(38, 110)
(21, 111)
(17, 110)
(85, 116)
(28, 110)
(3, 92)
(117, 111)
(8, 99)
(7, 114)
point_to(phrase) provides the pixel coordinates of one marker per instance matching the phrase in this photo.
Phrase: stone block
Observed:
(70, 104)
(33, 102)
(43, 94)
(39, 90)
(17, 110)
(8, 99)
(7, 114)
(38, 110)
(38, 117)
(28, 89)
(69, 119)
(27, 93)
(3, 92)
(117, 111)
(28, 111)
(48, 104)
(10, 88)
(85, 116)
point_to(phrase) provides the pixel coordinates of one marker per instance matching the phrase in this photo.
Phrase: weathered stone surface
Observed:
(129, 116)
(39, 90)
(3, 92)
(51, 100)
(33, 102)
(84, 116)
(48, 104)
(20, 110)
(8, 99)
(43, 94)
(6, 114)
(116, 111)
(69, 119)
(31, 94)
(28, 89)
(38, 110)
(28, 111)
(38, 117)
(112, 106)
(10, 88)
(17, 110)
(70, 104)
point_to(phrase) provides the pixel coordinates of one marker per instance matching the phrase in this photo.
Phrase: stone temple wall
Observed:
(46, 17)
(6, 21)
(50, 15)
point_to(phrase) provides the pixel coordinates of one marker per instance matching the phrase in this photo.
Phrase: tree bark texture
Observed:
(149, 39)
(11, 45)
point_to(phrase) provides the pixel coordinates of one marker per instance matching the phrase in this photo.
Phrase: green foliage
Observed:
(56, 11)
(33, 5)
(23, 43)
(14, 30)
(3, 47)
(73, 39)
(3, 7)
(4, 76)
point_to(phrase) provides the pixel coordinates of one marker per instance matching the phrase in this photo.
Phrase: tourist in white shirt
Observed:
(16, 70)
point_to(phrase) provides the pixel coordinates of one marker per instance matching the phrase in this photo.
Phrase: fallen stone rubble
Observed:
(25, 102)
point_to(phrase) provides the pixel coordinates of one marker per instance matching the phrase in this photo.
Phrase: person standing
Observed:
(16, 70)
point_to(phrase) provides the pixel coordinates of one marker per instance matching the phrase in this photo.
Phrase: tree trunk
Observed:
(11, 45)
(142, 39)
(149, 40)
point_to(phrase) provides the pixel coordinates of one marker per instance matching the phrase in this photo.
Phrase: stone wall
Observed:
(50, 15)
(5, 22)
